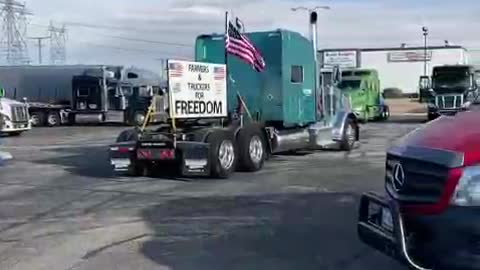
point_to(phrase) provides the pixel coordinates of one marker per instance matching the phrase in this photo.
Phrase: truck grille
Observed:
(19, 113)
(423, 181)
(449, 102)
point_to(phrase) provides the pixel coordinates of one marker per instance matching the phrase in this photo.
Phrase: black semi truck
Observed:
(450, 89)
(56, 94)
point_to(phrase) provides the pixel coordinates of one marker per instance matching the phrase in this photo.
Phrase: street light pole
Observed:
(310, 11)
(425, 34)
(319, 93)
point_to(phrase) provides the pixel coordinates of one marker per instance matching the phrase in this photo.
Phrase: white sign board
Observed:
(197, 90)
(344, 59)
(409, 56)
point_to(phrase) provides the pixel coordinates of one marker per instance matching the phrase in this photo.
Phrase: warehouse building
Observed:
(398, 68)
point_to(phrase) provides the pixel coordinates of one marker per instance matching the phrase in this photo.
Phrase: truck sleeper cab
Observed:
(109, 95)
(273, 111)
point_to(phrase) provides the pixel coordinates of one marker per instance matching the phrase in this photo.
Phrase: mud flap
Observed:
(121, 155)
(194, 158)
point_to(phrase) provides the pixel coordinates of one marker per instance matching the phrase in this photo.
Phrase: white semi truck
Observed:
(14, 117)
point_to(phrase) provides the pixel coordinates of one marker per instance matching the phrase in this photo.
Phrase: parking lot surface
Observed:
(63, 208)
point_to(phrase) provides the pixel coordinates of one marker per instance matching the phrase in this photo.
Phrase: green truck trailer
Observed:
(362, 87)
(223, 121)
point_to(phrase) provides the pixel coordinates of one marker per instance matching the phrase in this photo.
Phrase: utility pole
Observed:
(14, 17)
(425, 34)
(39, 40)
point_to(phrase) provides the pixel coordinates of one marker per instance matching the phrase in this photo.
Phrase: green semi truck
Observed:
(227, 117)
(362, 86)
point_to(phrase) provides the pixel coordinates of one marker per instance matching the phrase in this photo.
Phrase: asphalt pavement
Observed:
(62, 208)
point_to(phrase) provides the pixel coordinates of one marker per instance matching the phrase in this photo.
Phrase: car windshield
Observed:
(349, 84)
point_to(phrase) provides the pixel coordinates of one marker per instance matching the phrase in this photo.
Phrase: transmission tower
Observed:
(58, 39)
(13, 40)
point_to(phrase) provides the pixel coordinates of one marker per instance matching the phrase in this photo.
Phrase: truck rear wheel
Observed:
(53, 119)
(252, 150)
(223, 155)
(37, 119)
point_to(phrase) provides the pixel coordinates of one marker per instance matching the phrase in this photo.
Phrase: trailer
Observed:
(46, 89)
(228, 117)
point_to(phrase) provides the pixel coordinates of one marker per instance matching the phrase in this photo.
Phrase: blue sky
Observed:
(134, 32)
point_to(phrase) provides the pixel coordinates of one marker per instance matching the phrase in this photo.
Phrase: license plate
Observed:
(120, 162)
(387, 220)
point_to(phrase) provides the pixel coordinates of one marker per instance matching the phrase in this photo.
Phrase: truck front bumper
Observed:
(9, 126)
(192, 157)
(450, 240)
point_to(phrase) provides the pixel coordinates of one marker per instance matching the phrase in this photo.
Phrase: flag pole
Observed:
(226, 37)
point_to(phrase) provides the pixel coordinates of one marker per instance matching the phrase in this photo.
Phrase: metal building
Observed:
(398, 67)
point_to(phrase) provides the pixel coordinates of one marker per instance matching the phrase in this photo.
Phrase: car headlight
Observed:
(467, 192)
(6, 118)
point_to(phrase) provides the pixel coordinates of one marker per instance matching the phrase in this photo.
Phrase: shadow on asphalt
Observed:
(290, 231)
(95, 162)
(83, 161)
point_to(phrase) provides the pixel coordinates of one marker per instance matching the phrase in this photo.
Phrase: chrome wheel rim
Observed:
(52, 120)
(256, 149)
(226, 154)
(34, 120)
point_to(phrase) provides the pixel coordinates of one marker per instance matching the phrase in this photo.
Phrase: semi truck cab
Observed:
(362, 87)
(112, 95)
(451, 87)
(428, 218)
(14, 117)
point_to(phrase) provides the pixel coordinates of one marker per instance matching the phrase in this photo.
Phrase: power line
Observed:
(177, 44)
(125, 48)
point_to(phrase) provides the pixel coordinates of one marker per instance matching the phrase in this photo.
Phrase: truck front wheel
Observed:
(223, 155)
(349, 135)
(251, 148)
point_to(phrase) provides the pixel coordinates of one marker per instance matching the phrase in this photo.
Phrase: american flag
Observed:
(241, 46)
(218, 73)
(175, 69)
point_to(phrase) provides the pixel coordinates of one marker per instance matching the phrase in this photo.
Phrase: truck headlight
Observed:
(6, 118)
(467, 192)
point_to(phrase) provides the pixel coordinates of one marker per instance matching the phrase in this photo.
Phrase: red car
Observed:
(430, 216)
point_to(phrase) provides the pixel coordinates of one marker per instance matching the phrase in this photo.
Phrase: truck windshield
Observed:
(453, 78)
(349, 84)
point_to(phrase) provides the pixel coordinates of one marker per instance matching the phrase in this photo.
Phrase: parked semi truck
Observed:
(46, 89)
(428, 218)
(114, 94)
(213, 132)
(14, 118)
(362, 86)
(52, 92)
(450, 88)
